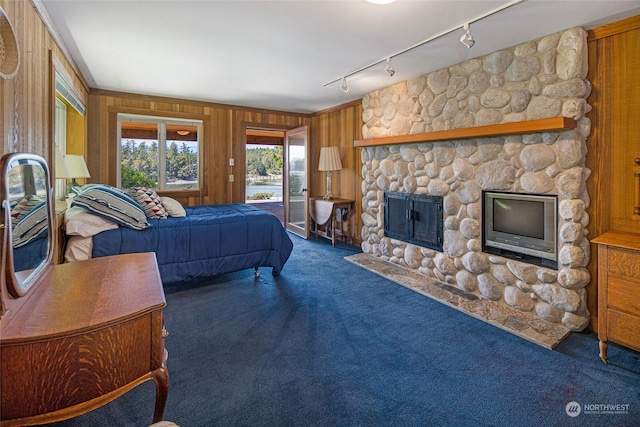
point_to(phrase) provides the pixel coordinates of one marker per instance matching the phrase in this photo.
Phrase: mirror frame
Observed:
(19, 288)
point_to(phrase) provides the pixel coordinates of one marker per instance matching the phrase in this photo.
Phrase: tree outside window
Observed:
(159, 153)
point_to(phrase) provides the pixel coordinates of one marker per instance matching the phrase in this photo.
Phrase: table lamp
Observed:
(77, 168)
(71, 166)
(329, 162)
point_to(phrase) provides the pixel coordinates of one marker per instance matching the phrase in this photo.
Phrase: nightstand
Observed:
(331, 218)
(59, 235)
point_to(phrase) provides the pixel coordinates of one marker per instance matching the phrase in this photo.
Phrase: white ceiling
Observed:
(280, 54)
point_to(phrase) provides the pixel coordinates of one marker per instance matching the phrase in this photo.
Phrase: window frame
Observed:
(161, 122)
(68, 121)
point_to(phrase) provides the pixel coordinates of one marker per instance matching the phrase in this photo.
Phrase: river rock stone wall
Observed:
(538, 79)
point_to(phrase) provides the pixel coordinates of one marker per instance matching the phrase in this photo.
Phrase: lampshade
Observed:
(329, 159)
(62, 170)
(77, 167)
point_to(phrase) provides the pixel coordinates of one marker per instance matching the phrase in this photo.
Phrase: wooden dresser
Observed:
(618, 290)
(87, 333)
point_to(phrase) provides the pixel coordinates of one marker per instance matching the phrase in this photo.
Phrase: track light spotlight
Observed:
(467, 38)
(389, 68)
(344, 86)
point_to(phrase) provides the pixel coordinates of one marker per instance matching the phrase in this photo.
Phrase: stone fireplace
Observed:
(539, 79)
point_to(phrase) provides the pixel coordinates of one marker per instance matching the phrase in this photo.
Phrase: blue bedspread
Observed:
(210, 240)
(31, 255)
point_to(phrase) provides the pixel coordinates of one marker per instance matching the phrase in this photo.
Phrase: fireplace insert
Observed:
(414, 218)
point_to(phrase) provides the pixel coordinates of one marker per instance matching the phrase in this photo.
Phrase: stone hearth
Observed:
(538, 79)
(543, 333)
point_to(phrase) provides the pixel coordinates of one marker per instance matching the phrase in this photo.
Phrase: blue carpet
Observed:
(328, 343)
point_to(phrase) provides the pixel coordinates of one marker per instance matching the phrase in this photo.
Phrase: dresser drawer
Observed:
(624, 263)
(624, 329)
(624, 295)
(618, 290)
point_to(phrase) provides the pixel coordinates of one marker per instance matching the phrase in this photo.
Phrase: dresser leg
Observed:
(161, 378)
(603, 351)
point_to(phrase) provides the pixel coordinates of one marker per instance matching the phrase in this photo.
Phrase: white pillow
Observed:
(78, 248)
(79, 222)
(172, 206)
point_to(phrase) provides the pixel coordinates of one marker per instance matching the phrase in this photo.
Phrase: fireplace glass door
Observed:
(414, 218)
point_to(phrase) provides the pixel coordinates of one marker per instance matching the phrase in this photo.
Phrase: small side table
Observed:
(331, 218)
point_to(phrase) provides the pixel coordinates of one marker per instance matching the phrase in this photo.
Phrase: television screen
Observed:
(519, 217)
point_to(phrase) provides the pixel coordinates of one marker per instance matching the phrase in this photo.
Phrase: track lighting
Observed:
(344, 86)
(467, 38)
(389, 68)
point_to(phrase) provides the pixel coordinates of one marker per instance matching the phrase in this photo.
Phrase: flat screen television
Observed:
(521, 226)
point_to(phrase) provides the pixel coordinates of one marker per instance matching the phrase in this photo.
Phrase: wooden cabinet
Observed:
(618, 290)
(87, 333)
(331, 218)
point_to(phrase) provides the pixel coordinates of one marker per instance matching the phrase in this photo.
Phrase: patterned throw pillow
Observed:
(80, 188)
(21, 207)
(31, 226)
(150, 202)
(112, 203)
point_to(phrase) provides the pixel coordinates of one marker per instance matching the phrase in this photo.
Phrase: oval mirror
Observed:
(26, 209)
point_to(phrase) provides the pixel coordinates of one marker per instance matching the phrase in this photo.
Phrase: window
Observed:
(60, 142)
(69, 134)
(159, 152)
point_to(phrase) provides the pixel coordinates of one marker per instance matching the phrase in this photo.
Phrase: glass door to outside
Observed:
(296, 198)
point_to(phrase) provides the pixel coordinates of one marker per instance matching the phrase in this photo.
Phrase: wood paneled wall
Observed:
(28, 105)
(28, 98)
(339, 126)
(223, 138)
(614, 143)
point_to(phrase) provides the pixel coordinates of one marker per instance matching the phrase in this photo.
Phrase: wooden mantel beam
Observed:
(515, 128)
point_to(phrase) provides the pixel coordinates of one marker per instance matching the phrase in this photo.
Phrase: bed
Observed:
(29, 231)
(207, 241)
